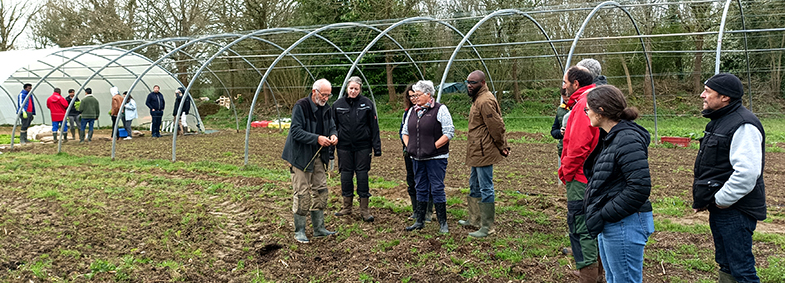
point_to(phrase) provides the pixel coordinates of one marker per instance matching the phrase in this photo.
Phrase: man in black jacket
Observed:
(307, 151)
(155, 101)
(358, 133)
(729, 176)
(178, 98)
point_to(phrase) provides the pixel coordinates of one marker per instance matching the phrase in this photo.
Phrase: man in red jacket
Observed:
(57, 104)
(580, 138)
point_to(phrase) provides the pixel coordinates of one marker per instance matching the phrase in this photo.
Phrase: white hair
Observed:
(594, 67)
(355, 79)
(424, 87)
(318, 84)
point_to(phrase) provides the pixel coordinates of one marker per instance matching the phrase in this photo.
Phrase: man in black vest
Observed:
(306, 149)
(729, 177)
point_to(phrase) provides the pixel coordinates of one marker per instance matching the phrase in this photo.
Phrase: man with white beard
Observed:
(307, 150)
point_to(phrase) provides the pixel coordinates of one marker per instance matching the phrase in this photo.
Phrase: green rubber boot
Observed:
(299, 229)
(487, 215)
(473, 211)
(317, 220)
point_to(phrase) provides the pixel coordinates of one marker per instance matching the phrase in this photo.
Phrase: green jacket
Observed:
(89, 107)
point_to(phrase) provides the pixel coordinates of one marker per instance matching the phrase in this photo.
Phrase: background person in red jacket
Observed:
(580, 138)
(57, 105)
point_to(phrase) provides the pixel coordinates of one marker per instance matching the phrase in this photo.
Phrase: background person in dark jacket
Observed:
(156, 103)
(557, 129)
(729, 177)
(73, 114)
(178, 95)
(409, 100)
(431, 129)
(618, 211)
(307, 151)
(358, 134)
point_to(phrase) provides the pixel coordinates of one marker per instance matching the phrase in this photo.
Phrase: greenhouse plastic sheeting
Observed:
(28, 66)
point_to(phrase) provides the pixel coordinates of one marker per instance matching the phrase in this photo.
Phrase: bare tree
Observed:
(14, 20)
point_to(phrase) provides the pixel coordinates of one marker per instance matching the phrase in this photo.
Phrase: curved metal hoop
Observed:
(746, 50)
(477, 25)
(405, 21)
(287, 51)
(643, 45)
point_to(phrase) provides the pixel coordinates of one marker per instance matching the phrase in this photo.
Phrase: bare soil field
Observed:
(205, 218)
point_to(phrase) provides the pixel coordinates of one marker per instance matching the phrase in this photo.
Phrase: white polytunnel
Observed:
(69, 68)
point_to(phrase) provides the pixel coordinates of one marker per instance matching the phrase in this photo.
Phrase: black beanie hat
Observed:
(726, 84)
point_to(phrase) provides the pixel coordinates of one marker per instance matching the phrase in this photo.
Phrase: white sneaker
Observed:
(127, 138)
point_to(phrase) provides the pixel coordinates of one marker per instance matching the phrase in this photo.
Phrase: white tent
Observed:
(69, 68)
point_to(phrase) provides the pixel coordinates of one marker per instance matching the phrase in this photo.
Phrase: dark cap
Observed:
(726, 84)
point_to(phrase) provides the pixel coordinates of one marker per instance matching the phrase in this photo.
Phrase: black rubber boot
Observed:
(441, 215)
(420, 214)
(23, 137)
(414, 207)
(429, 210)
(317, 220)
(54, 136)
(299, 229)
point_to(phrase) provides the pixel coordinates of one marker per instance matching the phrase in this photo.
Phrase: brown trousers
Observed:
(310, 189)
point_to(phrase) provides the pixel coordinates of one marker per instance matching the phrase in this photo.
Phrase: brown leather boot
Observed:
(364, 212)
(347, 207)
(601, 274)
(590, 274)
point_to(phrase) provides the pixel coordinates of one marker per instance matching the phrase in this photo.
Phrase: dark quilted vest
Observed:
(713, 167)
(424, 132)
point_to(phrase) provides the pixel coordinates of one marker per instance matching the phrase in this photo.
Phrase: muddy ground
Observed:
(231, 232)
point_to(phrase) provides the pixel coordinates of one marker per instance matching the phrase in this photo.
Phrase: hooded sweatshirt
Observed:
(57, 105)
(30, 108)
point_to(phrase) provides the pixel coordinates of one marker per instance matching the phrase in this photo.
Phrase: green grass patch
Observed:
(668, 225)
(672, 206)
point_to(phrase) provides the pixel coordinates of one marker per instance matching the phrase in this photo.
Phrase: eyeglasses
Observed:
(328, 95)
(471, 82)
(413, 96)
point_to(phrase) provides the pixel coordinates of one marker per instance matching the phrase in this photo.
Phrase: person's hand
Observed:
(696, 210)
(377, 153)
(324, 141)
(436, 144)
(562, 131)
(333, 140)
(506, 152)
(152, 110)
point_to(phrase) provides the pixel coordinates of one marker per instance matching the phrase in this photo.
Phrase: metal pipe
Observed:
(405, 21)
(476, 26)
(643, 45)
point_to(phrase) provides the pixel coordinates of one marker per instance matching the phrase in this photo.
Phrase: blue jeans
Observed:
(429, 179)
(56, 126)
(481, 184)
(621, 247)
(85, 122)
(732, 231)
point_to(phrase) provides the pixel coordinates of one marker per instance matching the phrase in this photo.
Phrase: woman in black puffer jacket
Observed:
(618, 211)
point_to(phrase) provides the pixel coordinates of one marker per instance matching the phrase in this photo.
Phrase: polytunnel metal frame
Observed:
(253, 35)
(355, 62)
(376, 39)
(188, 43)
(88, 51)
(152, 65)
(156, 64)
(465, 39)
(287, 51)
(82, 86)
(643, 45)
